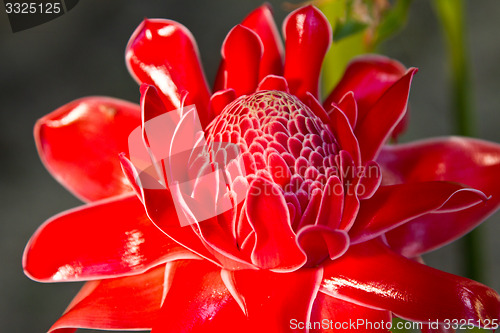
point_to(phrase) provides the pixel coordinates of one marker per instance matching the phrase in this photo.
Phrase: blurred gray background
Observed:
(82, 53)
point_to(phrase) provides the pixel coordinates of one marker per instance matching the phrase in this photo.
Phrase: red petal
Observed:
(109, 238)
(332, 203)
(273, 82)
(320, 242)
(342, 316)
(262, 23)
(242, 52)
(349, 107)
(129, 303)
(343, 133)
(276, 247)
(392, 206)
(371, 274)
(368, 77)
(198, 301)
(472, 162)
(308, 36)
(274, 300)
(150, 59)
(373, 130)
(79, 144)
(220, 99)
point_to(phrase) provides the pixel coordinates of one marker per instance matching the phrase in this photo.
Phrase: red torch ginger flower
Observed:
(322, 220)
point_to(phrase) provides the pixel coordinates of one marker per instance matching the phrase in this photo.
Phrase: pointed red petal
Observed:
(197, 301)
(262, 23)
(371, 274)
(79, 144)
(128, 303)
(276, 247)
(275, 299)
(349, 107)
(109, 238)
(373, 130)
(344, 316)
(392, 206)
(344, 134)
(308, 36)
(368, 77)
(150, 59)
(472, 162)
(242, 52)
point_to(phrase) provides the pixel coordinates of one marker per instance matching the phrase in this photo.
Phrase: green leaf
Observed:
(393, 21)
(348, 28)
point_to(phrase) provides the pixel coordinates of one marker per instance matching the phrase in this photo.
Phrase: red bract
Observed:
(324, 221)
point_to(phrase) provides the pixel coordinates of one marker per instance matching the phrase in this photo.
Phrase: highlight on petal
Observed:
(197, 301)
(127, 303)
(178, 75)
(370, 274)
(340, 314)
(472, 162)
(393, 205)
(79, 144)
(262, 23)
(308, 36)
(275, 299)
(242, 52)
(275, 244)
(109, 238)
(373, 130)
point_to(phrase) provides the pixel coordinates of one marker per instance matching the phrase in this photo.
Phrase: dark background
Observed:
(82, 53)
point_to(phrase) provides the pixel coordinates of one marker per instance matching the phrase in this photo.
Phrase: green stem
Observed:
(451, 16)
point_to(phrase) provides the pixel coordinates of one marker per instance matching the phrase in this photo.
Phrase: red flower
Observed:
(325, 221)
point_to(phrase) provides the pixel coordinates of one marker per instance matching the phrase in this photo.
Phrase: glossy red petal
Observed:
(164, 53)
(128, 303)
(371, 274)
(275, 246)
(368, 77)
(109, 238)
(373, 130)
(262, 23)
(79, 144)
(197, 300)
(393, 205)
(274, 300)
(308, 36)
(336, 315)
(242, 53)
(472, 162)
